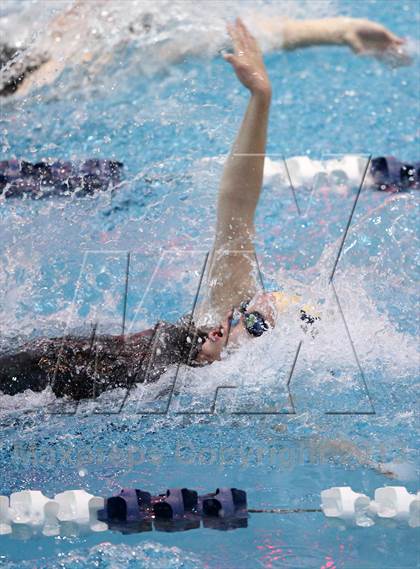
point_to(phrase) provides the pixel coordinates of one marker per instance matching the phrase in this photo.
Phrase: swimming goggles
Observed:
(254, 321)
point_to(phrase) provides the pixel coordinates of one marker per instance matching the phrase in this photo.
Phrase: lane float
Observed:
(133, 510)
(20, 179)
(390, 502)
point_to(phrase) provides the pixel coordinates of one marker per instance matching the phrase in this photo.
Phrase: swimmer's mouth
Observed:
(217, 334)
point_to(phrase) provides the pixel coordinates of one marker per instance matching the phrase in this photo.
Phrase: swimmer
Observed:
(85, 367)
(235, 310)
(71, 40)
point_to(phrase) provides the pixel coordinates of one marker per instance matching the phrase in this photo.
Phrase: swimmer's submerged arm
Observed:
(233, 256)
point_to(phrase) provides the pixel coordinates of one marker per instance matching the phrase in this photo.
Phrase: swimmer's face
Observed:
(216, 340)
(227, 335)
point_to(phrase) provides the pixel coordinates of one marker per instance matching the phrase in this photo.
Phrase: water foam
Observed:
(157, 35)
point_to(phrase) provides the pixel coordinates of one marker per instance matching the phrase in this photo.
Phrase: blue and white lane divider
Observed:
(177, 509)
(180, 509)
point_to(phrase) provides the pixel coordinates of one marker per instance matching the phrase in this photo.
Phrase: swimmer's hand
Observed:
(247, 60)
(369, 38)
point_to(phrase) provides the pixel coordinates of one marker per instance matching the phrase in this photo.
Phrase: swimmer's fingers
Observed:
(373, 39)
(395, 57)
(247, 60)
(228, 57)
(370, 38)
(248, 39)
(242, 32)
(393, 39)
(242, 39)
(237, 38)
(236, 35)
(395, 54)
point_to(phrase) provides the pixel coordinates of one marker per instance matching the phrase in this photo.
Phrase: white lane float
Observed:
(80, 507)
(5, 516)
(391, 502)
(414, 518)
(73, 506)
(96, 503)
(342, 502)
(33, 508)
(302, 170)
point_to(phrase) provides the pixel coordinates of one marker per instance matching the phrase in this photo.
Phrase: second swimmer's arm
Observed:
(361, 35)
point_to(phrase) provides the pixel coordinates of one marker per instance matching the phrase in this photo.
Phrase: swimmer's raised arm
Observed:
(362, 36)
(231, 274)
(243, 172)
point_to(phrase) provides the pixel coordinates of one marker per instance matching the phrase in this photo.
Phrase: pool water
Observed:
(63, 265)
